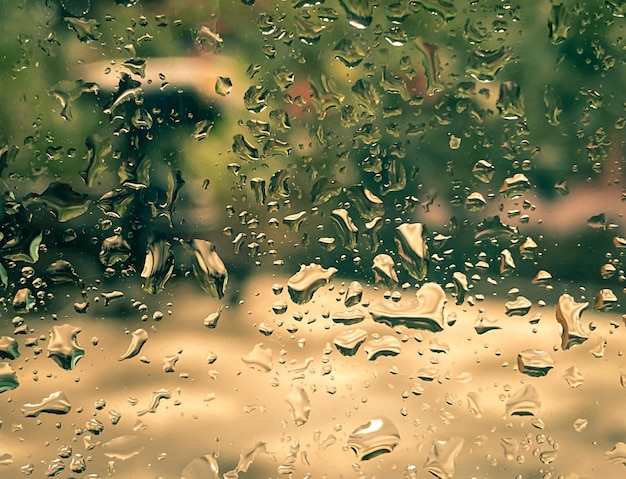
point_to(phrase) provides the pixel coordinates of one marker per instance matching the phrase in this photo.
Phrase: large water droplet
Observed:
(524, 402)
(205, 467)
(158, 266)
(559, 23)
(259, 358)
(63, 346)
(138, 339)
(299, 405)
(426, 312)
(534, 362)
(442, 456)
(484, 65)
(208, 268)
(413, 249)
(358, 12)
(377, 436)
(123, 447)
(386, 345)
(309, 279)
(8, 378)
(568, 314)
(348, 342)
(8, 348)
(55, 403)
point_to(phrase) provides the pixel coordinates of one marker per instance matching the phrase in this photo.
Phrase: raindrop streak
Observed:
(157, 396)
(383, 268)
(158, 266)
(299, 405)
(426, 312)
(63, 346)
(524, 402)
(138, 339)
(205, 467)
(378, 436)
(309, 279)
(413, 249)
(56, 403)
(568, 314)
(443, 453)
(245, 460)
(8, 378)
(208, 268)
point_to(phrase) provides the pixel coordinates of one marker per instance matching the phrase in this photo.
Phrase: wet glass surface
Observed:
(312, 239)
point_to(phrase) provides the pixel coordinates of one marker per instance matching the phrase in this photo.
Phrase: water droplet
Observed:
(157, 396)
(354, 294)
(158, 266)
(208, 40)
(348, 342)
(559, 23)
(205, 467)
(223, 86)
(377, 436)
(295, 220)
(605, 300)
(208, 267)
(64, 203)
(484, 65)
(243, 149)
(211, 320)
(346, 228)
(23, 301)
(568, 313)
(426, 312)
(324, 95)
(138, 339)
(617, 455)
(309, 279)
(574, 377)
(383, 268)
(413, 249)
(8, 378)
(299, 405)
(442, 456)
(518, 307)
(55, 403)
(510, 101)
(524, 402)
(386, 345)
(580, 424)
(483, 171)
(8, 348)
(245, 460)
(534, 362)
(351, 52)
(255, 98)
(515, 186)
(63, 346)
(259, 358)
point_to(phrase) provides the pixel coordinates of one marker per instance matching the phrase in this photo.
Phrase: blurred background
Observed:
(169, 166)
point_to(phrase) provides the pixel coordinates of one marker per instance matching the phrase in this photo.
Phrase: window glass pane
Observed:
(307, 239)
